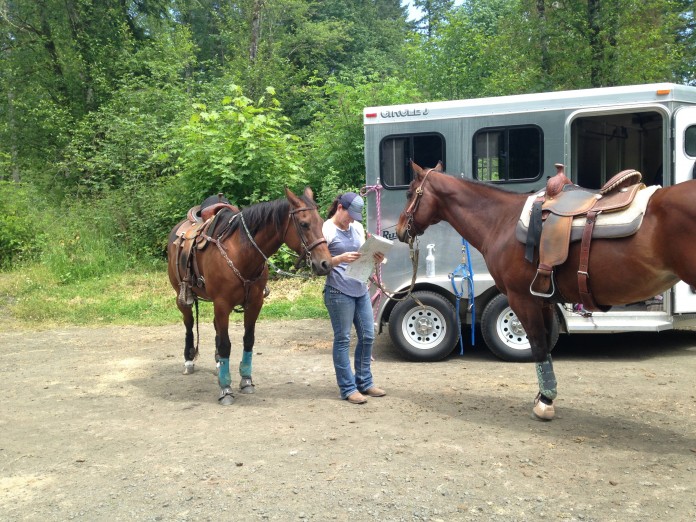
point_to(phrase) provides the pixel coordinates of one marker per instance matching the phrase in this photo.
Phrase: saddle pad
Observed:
(612, 224)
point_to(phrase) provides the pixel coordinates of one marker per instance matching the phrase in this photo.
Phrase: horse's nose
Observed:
(401, 233)
(325, 267)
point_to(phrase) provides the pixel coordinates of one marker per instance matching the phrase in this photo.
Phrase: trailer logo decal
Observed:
(404, 113)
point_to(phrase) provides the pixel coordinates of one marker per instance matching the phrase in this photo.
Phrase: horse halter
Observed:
(307, 248)
(411, 210)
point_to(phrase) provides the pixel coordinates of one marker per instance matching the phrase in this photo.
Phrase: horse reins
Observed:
(411, 210)
(307, 248)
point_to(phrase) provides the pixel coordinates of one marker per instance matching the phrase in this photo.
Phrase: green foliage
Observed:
(647, 51)
(334, 141)
(567, 45)
(61, 61)
(139, 296)
(495, 47)
(148, 213)
(463, 49)
(433, 12)
(239, 147)
(142, 295)
(85, 242)
(116, 117)
(123, 143)
(23, 226)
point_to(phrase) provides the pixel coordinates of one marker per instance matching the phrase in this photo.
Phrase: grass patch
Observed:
(34, 297)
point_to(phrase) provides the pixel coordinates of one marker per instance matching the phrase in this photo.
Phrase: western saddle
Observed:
(193, 235)
(556, 208)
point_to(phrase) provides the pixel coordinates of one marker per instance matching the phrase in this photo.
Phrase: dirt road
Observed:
(100, 424)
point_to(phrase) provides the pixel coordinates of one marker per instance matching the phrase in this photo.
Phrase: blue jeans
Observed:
(346, 311)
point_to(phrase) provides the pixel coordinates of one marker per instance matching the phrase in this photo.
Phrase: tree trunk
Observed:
(543, 42)
(50, 46)
(255, 30)
(596, 48)
(14, 168)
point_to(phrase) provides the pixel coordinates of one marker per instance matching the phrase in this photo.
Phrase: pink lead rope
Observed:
(377, 189)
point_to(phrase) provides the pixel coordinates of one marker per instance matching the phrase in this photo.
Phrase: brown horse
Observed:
(621, 271)
(234, 269)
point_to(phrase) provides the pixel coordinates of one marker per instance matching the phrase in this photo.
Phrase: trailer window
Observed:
(396, 151)
(508, 154)
(690, 141)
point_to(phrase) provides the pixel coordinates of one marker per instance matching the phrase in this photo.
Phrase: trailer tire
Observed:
(503, 333)
(428, 334)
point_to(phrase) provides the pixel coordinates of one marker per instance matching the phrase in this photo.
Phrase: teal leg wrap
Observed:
(224, 373)
(547, 379)
(245, 365)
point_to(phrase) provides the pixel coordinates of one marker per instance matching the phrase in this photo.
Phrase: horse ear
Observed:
(440, 167)
(308, 193)
(292, 198)
(416, 168)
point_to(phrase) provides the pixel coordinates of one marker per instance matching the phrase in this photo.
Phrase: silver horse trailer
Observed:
(514, 142)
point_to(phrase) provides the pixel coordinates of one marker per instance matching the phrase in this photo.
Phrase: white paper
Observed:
(363, 267)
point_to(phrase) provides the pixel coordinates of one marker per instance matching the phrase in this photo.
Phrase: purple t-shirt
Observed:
(341, 241)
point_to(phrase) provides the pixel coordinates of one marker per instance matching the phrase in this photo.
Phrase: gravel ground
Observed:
(100, 424)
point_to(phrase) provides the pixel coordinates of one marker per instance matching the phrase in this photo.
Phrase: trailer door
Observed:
(684, 160)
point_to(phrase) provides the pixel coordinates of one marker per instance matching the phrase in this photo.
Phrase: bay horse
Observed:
(234, 271)
(621, 270)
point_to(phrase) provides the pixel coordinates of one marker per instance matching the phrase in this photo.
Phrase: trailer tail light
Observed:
(663, 92)
(370, 114)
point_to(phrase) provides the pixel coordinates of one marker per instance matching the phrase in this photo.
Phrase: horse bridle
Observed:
(411, 210)
(307, 248)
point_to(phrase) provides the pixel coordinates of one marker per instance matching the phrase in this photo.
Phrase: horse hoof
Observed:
(543, 411)
(188, 367)
(246, 386)
(226, 398)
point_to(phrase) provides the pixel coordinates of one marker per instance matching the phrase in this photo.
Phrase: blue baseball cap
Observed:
(353, 204)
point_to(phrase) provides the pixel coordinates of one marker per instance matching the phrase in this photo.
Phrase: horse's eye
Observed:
(304, 225)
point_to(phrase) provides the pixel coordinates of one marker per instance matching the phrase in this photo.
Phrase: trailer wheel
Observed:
(504, 334)
(427, 333)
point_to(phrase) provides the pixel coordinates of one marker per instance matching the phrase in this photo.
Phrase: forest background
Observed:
(116, 116)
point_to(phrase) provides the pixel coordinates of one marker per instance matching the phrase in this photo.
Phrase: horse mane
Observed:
(259, 216)
(485, 185)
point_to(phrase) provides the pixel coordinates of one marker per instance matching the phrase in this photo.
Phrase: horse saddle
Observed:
(565, 212)
(193, 235)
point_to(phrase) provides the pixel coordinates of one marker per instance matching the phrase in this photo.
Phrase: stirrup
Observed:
(185, 297)
(540, 294)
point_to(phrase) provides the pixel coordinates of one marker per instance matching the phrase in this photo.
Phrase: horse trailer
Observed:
(515, 142)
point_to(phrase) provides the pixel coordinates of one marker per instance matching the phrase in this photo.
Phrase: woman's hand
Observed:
(378, 257)
(346, 257)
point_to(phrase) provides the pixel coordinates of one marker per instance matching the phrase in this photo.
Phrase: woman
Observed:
(348, 300)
